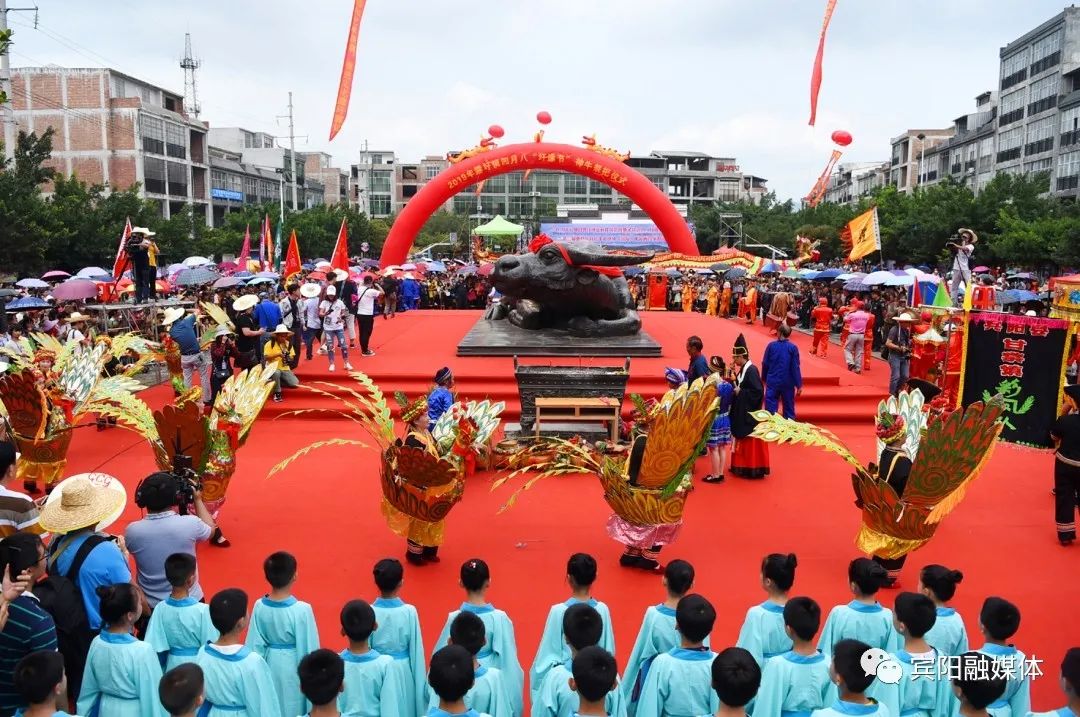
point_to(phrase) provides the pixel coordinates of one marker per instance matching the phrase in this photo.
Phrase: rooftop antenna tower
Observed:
(189, 64)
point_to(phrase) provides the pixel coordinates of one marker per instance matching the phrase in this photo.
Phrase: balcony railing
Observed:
(1067, 139)
(955, 169)
(1042, 145)
(1008, 155)
(1066, 183)
(1014, 78)
(1042, 105)
(1010, 117)
(1046, 63)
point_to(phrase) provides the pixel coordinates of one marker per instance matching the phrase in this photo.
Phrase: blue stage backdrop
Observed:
(636, 237)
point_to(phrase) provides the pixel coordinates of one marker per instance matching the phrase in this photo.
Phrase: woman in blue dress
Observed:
(720, 433)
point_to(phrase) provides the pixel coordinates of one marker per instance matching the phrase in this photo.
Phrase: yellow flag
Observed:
(968, 295)
(863, 235)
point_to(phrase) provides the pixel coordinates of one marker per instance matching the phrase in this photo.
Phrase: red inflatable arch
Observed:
(543, 156)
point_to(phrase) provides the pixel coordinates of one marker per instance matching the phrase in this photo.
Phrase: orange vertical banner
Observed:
(348, 68)
(340, 257)
(292, 265)
(815, 77)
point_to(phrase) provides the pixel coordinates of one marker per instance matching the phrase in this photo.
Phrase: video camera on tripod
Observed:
(188, 483)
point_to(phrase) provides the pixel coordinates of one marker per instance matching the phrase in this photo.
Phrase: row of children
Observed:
(669, 671)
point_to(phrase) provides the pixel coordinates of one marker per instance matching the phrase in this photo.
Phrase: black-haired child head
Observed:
(847, 670)
(581, 571)
(778, 572)
(181, 689)
(999, 619)
(939, 582)
(228, 611)
(582, 626)
(678, 578)
(736, 677)
(467, 630)
(475, 575)
(914, 614)
(694, 619)
(120, 605)
(866, 577)
(594, 676)
(802, 618)
(388, 574)
(357, 621)
(977, 684)
(322, 676)
(451, 674)
(39, 677)
(280, 570)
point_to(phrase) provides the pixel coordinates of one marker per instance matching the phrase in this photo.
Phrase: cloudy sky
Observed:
(728, 77)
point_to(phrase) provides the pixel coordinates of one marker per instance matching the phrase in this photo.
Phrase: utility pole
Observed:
(292, 150)
(7, 114)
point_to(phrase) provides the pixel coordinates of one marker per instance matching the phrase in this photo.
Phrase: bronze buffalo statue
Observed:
(575, 286)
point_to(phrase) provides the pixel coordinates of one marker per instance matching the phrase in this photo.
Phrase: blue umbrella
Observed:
(307, 267)
(243, 275)
(435, 266)
(808, 274)
(673, 272)
(196, 276)
(268, 275)
(28, 302)
(735, 272)
(770, 268)
(31, 283)
(1016, 296)
(856, 285)
(633, 271)
(828, 275)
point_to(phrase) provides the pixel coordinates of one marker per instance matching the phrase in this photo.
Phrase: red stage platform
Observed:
(325, 508)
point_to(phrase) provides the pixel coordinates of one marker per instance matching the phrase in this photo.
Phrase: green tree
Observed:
(25, 230)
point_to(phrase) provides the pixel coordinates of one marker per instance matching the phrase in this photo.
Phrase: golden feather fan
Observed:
(26, 405)
(181, 429)
(680, 420)
(420, 467)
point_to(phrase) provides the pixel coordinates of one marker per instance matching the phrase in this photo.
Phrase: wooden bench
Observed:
(584, 410)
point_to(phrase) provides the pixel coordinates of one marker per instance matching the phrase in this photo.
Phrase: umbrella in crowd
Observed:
(673, 272)
(791, 274)
(877, 277)
(243, 275)
(770, 268)
(226, 281)
(808, 274)
(486, 270)
(31, 283)
(633, 271)
(720, 268)
(857, 285)
(436, 266)
(850, 276)
(28, 302)
(55, 274)
(828, 275)
(981, 270)
(193, 261)
(1022, 276)
(196, 276)
(175, 269)
(5, 293)
(261, 280)
(408, 267)
(735, 272)
(467, 270)
(1016, 296)
(94, 272)
(268, 275)
(74, 290)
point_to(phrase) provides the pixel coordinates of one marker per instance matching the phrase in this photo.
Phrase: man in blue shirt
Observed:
(71, 520)
(28, 628)
(782, 374)
(184, 331)
(699, 367)
(442, 397)
(268, 313)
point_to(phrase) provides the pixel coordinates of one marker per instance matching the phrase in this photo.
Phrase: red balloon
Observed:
(842, 137)
(496, 131)
(543, 117)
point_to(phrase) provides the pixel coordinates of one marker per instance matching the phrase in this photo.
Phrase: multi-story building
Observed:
(411, 178)
(907, 149)
(234, 184)
(968, 156)
(372, 182)
(317, 167)
(691, 177)
(116, 130)
(851, 181)
(260, 149)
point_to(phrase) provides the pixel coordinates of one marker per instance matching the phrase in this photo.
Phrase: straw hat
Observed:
(281, 329)
(172, 314)
(75, 317)
(144, 231)
(905, 318)
(310, 291)
(248, 301)
(81, 501)
(340, 275)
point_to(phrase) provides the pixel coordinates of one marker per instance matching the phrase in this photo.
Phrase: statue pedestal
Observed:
(501, 338)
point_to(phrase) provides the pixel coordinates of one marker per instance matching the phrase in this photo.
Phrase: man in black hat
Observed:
(1066, 432)
(750, 457)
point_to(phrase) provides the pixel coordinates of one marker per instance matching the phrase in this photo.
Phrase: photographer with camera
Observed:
(166, 530)
(964, 246)
(899, 346)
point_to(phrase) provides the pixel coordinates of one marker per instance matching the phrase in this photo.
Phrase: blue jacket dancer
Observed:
(781, 372)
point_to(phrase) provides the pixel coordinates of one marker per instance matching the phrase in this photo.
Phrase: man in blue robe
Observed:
(780, 369)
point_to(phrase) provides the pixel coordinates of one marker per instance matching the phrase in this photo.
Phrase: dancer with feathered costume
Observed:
(180, 431)
(422, 472)
(50, 386)
(647, 491)
(926, 462)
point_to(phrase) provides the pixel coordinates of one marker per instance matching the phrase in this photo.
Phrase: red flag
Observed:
(245, 251)
(292, 258)
(348, 68)
(121, 257)
(340, 258)
(815, 78)
(916, 293)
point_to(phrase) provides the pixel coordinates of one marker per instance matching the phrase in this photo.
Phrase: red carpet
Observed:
(324, 509)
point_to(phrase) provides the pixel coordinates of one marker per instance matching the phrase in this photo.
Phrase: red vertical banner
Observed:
(121, 256)
(292, 259)
(245, 250)
(348, 69)
(340, 258)
(815, 77)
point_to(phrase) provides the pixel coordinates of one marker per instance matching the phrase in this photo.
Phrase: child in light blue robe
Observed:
(999, 620)
(852, 683)
(488, 693)
(1070, 685)
(398, 634)
(122, 673)
(38, 678)
(657, 634)
(500, 650)
(948, 635)
(282, 631)
(553, 650)
(451, 676)
(680, 680)
(237, 681)
(796, 682)
(372, 685)
(922, 690)
(863, 618)
(762, 633)
(180, 624)
(736, 678)
(582, 628)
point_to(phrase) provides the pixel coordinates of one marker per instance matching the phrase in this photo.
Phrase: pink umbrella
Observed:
(74, 290)
(981, 269)
(55, 274)
(486, 269)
